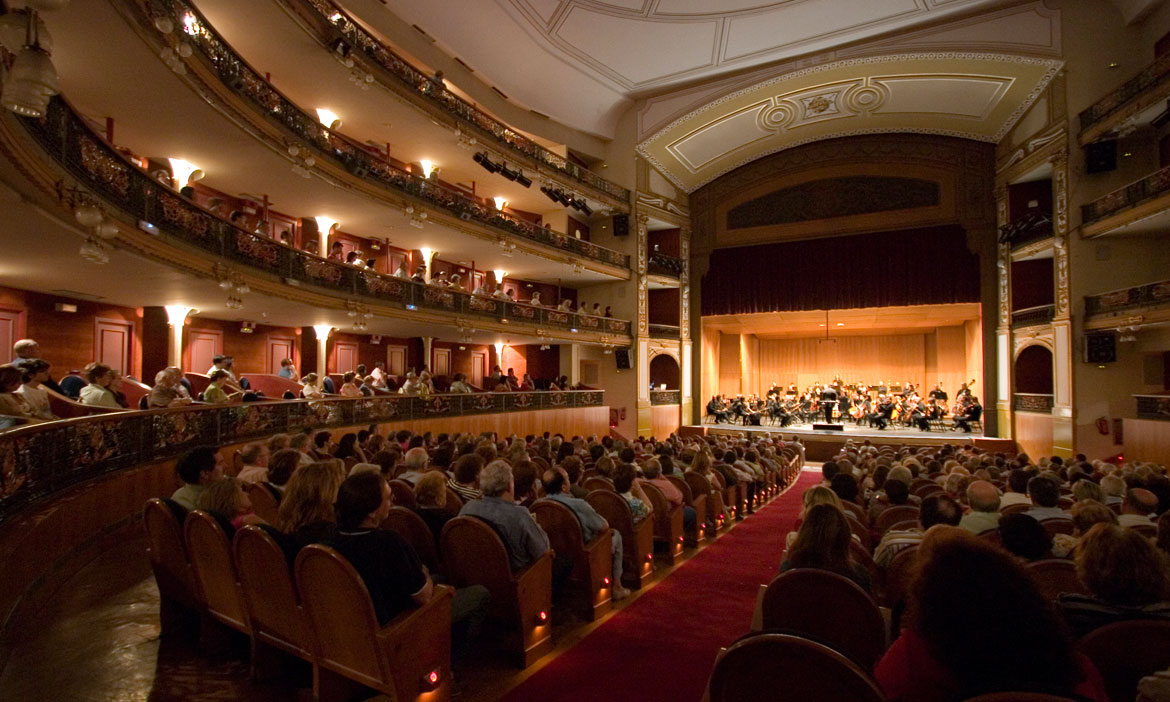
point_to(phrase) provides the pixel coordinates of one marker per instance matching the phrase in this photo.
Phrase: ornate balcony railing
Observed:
(39, 460)
(89, 158)
(1134, 194)
(664, 331)
(1031, 227)
(1129, 298)
(1032, 316)
(665, 397)
(337, 23)
(1031, 402)
(1153, 75)
(1153, 407)
(661, 264)
(250, 85)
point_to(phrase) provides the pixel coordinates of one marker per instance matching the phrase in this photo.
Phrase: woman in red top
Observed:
(976, 624)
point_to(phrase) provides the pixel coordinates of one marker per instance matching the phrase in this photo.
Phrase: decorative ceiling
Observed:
(968, 95)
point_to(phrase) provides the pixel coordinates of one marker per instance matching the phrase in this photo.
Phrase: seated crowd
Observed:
(948, 536)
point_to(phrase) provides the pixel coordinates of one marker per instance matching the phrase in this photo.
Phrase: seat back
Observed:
(662, 508)
(409, 525)
(1054, 576)
(565, 536)
(340, 614)
(856, 510)
(899, 574)
(237, 462)
(475, 555)
(264, 504)
(1125, 652)
(403, 493)
(1014, 508)
(270, 593)
(168, 552)
(211, 557)
(1058, 526)
(859, 530)
(698, 483)
(755, 668)
(454, 502)
(616, 511)
(892, 515)
(681, 483)
(829, 607)
(1149, 531)
(598, 482)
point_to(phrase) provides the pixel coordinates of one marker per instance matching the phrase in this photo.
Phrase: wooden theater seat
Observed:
(597, 482)
(1125, 652)
(264, 503)
(716, 511)
(1058, 526)
(270, 596)
(402, 493)
(590, 579)
(769, 667)
(857, 511)
(180, 599)
(211, 557)
(637, 539)
(408, 659)
(892, 515)
(410, 526)
(1054, 576)
(899, 574)
(1013, 509)
(829, 608)
(475, 555)
(668, 524)
(859, 530)
(695, 502)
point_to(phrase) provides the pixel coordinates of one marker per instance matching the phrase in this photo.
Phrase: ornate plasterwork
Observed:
(685, 291)
(643, 280)
(1003, 261)
(967, 95)
(1060, 232)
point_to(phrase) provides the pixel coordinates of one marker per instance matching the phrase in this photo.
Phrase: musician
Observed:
(777, 413)
(844, 403)
(791, 390)
(716, 409)
(881, 415)
(938, 394)
(920, 415)
(973, 413)
(828, 402)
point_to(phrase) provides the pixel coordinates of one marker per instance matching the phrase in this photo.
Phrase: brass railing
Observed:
(1137, 192)
(1031, 402)
(335, 21)
(357, 159)
(1128, 298)
(1150, 77)
(39, 460)
(665, 397)
(155, 207)
(1032, 316)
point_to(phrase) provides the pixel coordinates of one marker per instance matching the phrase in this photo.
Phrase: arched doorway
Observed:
(664, 372)
(1033, 372)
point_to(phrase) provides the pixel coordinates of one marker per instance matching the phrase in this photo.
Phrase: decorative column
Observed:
(176, 318)
(427, 357)
(642, 367)
(322, 331)
(1063, 412)
(686, 350)
(1003, 327)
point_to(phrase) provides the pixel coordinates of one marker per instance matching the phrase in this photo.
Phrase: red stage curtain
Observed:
(910, 267)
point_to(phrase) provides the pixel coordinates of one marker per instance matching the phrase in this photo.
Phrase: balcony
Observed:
(1028, 229)
(1141, 206)
(1145, 90)
(663, 265)
(664, 331)
(156, 208)
(1033, 316)
(1032, 402)
(1148, 303)
(1153, 407)
(665, 397)
(301, 134)
(330, 22)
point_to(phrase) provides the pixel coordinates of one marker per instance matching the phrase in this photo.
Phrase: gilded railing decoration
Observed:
(1153, 75)
(1032, 316)
(1147, 295)
(1153, 185)
(140, 198)
(665, 397)
(359, 160)
(39, 460)
(1031, 402)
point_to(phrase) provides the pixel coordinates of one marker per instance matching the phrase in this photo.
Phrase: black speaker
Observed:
(1101, 347)
(621, 225)
(1101, 156)
(623, 358)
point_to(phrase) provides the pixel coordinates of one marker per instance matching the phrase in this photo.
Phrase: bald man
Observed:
(984, 514)
(1137, 507)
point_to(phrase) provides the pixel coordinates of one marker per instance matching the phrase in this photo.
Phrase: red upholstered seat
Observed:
(899, 573)
(597, 482)
(263, 503)
(1054, 576)
(770, 667)
(892, 515)
(1058, 526)
(1125, 652)
(402, 493)
(592, 573)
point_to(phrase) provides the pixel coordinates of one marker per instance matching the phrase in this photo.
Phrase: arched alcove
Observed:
(664, 370)
(1033, 370)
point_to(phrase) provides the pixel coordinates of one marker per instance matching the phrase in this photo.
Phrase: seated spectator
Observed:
(410, 386)
(575, 469)
(1085, 489)
(465, 480)
(1025, 538)
(323, 446)
(525, 481)
(1126, 576)
(1164, 533)
(526, 384)
(936, 509)
(26, 350)
(281, 466)
(984, 514)
(215, 393)
(426, 383)
(1045, 495)
(1085, 514)
(893, 494)
(977, 624)
(556, 487)
(98, 392)
(815, 495)
(1137, 507)
(168, 391)
(12, 404)
(348, 387)
(1016, 493)
(846, 487)
(198, 468)
(652, 470)
(36, 373)
(348, 447)
(1113, 485)
(393, 575)
(287, 369)
(459, 385)
(227, 498)
(625, 483)
(255, 459)
(416, 462)
(823, 543)
(309, 388)
(367, 386)
(523, 537)
(430, 497)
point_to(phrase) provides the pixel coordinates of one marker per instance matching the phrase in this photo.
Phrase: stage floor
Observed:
(851, 431)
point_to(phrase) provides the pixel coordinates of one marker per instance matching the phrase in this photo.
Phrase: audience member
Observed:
(215, 394)
(984, 501)
(168, 391)
(227, 498)
(98, 392)
(12, 404)
(466, 476)
(822, 542)
(1137, 507)
(348, 387)
(430, 497)
(523, 537)
(26, 350)
(1024, 537)
(1113, 485)
(287, 369)
(198, 468)
(255, 460)
(625, 483)
(556, 485)
(1085, 514)
(415, 462)
(36, 374)
(306, 510)
(1016, 493)
(936, 509)
(1045, 495)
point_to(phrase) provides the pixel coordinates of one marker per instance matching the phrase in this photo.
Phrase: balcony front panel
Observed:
(1033, 316)
(1123, 207)
(1139, 300)
(1032, 402)
(664, 331)
(1147, 88)
(665, 397)
(661, 264)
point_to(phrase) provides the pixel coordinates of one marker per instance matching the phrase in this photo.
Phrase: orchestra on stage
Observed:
(877, 406)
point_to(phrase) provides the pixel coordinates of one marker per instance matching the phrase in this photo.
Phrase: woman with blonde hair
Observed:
(226, 498)
(430, 497)
(815, 495)
(306, 510)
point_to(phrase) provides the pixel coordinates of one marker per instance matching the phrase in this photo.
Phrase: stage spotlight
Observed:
(509, 173)
(482, 159)
(549, 193)
(524, 180)
(585, 208)
(563, 198)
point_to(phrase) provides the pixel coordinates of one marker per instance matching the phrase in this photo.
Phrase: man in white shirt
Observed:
(1045, 494)
(379, 373)
(255, 458)
(1017, 489)
(459, 385)
(984, 514)
(410, 386)
(1137, 507)
(416, 461)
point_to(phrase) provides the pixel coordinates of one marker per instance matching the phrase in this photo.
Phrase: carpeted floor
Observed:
(662, 646)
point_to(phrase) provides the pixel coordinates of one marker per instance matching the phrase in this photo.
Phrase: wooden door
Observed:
(478, 368)
(113, 340)
(279, 348)
(346, 355)
(396, 360)
(203, 345)
(11, 331)
(442, 362)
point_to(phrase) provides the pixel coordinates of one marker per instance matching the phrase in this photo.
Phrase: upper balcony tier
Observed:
(1141, 304)
(1142, 206)
(246, 98)
(1128, 104)
(328, 23)
(660, 264)
(159, 218)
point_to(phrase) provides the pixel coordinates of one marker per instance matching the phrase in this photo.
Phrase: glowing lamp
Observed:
(543, 616)
(605, 581)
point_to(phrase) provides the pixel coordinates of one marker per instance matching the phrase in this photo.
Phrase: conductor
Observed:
(828, 402)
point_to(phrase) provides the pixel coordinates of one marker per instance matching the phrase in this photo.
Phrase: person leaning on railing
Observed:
(98, 392)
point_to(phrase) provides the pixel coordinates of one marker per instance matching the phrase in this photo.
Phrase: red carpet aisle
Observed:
(662, 646)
